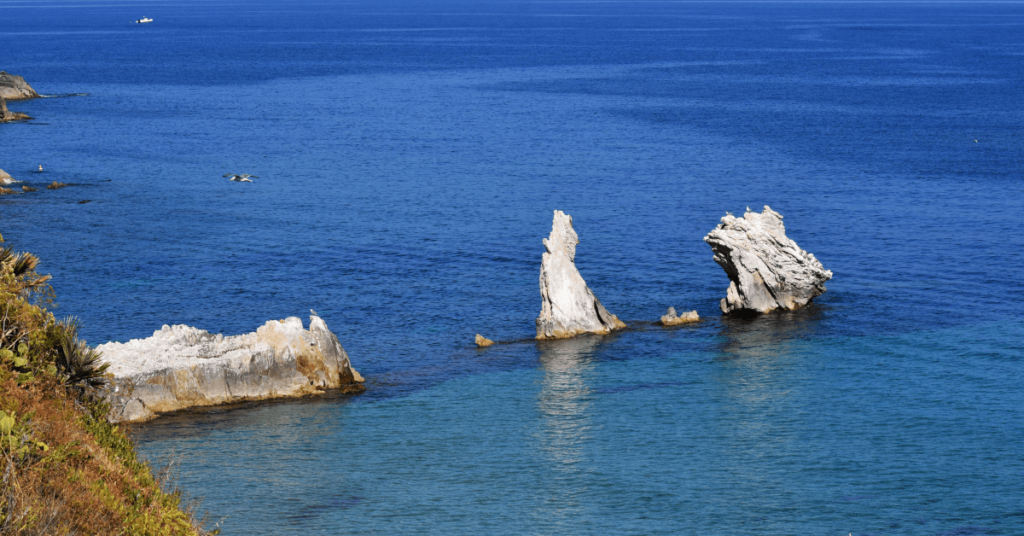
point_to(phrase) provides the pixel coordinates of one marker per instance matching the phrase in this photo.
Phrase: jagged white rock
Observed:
(568, 306)
(181, 366)
(767, 270)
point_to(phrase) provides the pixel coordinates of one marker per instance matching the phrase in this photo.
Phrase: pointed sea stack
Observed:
(767, 270)
(568, 306)
(181, 367)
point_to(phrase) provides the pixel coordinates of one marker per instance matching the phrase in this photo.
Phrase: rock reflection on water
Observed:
(564, 398)
(767, 335)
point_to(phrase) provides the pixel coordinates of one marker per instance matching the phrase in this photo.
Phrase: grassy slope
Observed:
(63, 468)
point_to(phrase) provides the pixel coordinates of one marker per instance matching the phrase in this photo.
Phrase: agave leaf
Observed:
(24, 263)
(6, 423)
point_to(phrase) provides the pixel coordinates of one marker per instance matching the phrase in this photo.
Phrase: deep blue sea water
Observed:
(410, 155)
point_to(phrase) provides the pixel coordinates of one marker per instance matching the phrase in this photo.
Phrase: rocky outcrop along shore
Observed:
(15, 88)
(5, 178)
(767, 270)
(7, 115)
(181, 367)
(568, 306)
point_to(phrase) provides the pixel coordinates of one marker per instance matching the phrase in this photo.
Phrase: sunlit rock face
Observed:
(672, 319)
(181, 366)
(568, 306)
(767, 270)
(15, 88)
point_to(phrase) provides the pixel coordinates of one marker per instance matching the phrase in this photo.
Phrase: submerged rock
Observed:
(15, 88)
(568, 306)
(767, 270)
(671, 319)
(483, 341)
(181, 367)
(7, 115)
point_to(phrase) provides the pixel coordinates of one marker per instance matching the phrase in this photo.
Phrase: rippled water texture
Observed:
(410, 155)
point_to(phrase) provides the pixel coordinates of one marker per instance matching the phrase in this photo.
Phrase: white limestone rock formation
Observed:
(767, 270)
(181, 367)
(568, 306)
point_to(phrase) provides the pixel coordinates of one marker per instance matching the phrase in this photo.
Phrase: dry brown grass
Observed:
(64, 469)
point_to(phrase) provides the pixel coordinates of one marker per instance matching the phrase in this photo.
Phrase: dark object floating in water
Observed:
(85, 201)
(244, 177)
(56, 185)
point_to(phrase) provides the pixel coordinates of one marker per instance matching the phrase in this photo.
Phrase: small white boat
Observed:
(143, 20)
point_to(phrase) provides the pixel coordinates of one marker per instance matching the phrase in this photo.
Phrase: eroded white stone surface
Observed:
(767, 270)
(181, 366)
(568, 306)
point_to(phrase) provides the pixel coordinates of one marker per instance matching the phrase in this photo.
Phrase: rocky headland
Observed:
(568, 306)
(15, 88)
(767, 270)
(181, 367)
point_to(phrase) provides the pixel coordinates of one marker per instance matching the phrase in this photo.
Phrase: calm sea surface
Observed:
(410, 155)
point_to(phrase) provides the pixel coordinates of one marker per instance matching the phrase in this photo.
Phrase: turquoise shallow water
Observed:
(752, 436)
(410, 156)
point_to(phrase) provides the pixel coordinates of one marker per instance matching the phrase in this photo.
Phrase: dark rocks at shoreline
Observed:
(7, 116)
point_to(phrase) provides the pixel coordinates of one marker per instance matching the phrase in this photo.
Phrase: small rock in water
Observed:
(671, 319)
(568, 306)
(85, 201)
(767, 270)
(483, 341)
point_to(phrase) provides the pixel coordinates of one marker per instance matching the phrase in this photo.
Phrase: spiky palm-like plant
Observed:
(81, 367)
(22, 267)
